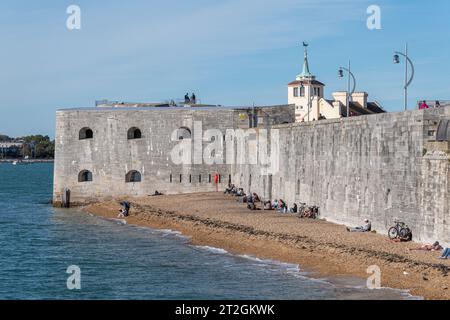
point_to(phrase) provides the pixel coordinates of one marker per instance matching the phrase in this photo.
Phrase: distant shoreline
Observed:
(219, 221)
(30, 161)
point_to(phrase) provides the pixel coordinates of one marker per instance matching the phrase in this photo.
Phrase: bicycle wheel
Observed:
(393, 233)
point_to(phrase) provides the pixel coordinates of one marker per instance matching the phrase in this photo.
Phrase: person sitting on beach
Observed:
(243, 198)
(445, 254)
(251, 206)
(240, 192)
(268, 205)
(256, 198)
(282, 206)
(125, 211)
(307, 213)
(294, 208)
(229, 189)
(250, 202)
(275, 204)
(428, 247)
(367, 227)
(157, 193)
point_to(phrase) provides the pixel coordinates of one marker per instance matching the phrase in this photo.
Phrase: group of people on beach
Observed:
(436, 246)
(278, 205)
(250, 199)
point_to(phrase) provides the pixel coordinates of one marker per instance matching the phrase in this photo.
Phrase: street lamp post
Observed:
(310, 98)
(350, 76)
(309, 102)
(407, 81)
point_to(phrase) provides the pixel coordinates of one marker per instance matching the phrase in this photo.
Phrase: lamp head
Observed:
(396, 59)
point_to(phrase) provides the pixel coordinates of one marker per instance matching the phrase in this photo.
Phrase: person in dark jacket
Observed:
(125, 211)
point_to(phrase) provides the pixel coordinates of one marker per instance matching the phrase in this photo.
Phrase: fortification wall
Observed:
(110, 155)
(379, 167)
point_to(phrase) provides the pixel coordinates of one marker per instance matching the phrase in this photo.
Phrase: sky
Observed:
(229, 52)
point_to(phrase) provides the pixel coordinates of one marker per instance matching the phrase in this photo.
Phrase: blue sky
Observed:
(230, 52)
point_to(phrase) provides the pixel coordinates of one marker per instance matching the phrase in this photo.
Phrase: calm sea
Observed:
(38, 243)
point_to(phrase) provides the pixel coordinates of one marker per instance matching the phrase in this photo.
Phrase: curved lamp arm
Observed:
(353, 77)
(412, 68)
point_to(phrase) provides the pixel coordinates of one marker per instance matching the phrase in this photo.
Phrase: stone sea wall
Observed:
(109, 155)
(381, 167)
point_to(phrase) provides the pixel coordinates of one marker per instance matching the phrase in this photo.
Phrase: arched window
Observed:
(133, 176)
(134, 133)
(85, 176)
(86, 133)
(184, 133)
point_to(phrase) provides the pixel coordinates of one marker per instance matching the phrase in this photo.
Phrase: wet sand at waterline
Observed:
(327, 249)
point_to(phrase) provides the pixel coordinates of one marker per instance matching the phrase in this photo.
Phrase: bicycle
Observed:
(400, 230)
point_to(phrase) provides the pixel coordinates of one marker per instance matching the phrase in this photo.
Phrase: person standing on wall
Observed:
(216, 181)
(424, 105)
(193, 98)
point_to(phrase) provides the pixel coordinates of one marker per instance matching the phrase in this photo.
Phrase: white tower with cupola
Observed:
(306, 93)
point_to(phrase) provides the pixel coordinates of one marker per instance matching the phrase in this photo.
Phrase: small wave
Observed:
(162, 232)
(213, 249)
(349, 284)
(284, 265)
(120, 222)
(168, 232)
(290, 268)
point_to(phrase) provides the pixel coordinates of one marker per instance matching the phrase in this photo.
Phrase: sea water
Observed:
(38, 244)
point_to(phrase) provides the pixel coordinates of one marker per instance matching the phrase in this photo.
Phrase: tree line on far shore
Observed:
(33, 146)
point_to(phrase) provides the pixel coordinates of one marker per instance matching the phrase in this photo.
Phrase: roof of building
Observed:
(171, 108)
(131, 105)
(305, 82)
(355, 106)
(375, 107)
(305, 70)
(372, 107)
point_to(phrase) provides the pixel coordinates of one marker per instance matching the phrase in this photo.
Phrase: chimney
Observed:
(361, 98)
(340, 96)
